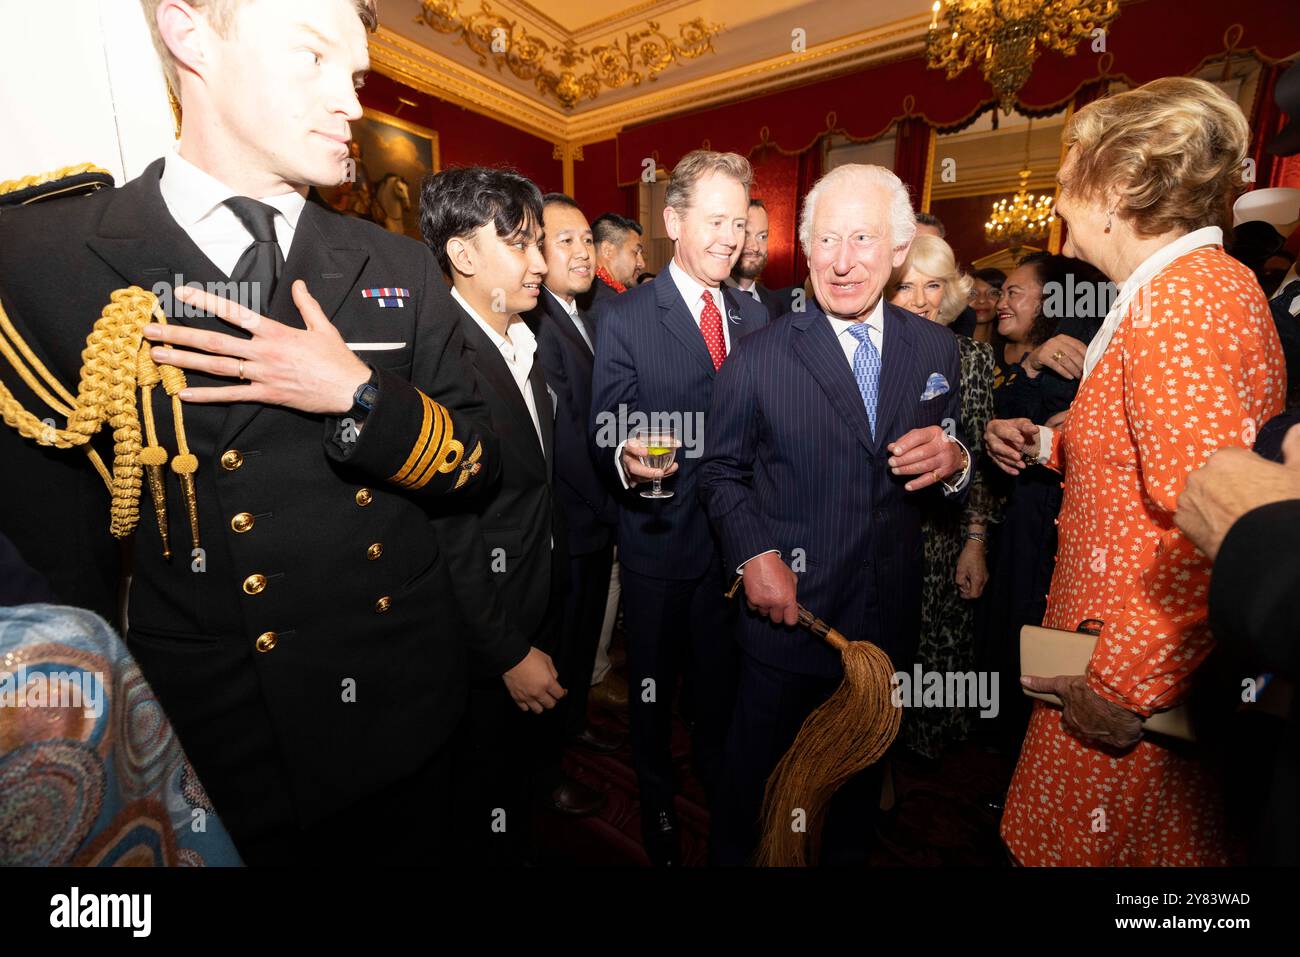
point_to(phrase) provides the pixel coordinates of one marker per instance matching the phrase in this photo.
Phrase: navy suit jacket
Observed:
(791, 465)
(588, 507)
(651, 358)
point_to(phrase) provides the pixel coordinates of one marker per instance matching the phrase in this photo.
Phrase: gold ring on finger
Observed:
(241, 370)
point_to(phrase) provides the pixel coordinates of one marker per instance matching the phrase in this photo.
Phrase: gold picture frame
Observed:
(390, 158)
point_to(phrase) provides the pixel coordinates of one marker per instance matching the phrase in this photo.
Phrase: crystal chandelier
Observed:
(1005, 35)
(1024, 217)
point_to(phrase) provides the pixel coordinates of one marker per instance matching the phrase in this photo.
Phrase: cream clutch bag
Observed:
(1047, 652)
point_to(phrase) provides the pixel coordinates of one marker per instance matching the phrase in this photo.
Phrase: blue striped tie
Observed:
(866, 369)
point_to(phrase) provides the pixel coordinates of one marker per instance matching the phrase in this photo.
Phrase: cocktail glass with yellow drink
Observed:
(660, 449)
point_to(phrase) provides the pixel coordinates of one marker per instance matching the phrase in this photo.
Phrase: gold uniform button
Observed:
(242, 522)
(266, 641)
(231, 459)
(365, 497)
(374, 551)
(254, 584)
(383, 604)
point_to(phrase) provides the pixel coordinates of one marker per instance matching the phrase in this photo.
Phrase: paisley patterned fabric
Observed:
(91, 772)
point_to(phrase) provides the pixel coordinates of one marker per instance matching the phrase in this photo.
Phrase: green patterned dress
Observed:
(947, 620)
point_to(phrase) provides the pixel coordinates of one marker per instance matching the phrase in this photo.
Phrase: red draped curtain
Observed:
(912, 155)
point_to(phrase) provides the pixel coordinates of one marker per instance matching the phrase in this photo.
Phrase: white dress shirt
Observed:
(875, 323)
(518, 348)
(750, 290)
(693, 293)
(196, 201)
(1142, 276)
(571, 310)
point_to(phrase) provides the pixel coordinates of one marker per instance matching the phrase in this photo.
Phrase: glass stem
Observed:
(658, 487)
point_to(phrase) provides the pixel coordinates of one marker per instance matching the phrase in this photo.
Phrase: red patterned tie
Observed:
(711, 329)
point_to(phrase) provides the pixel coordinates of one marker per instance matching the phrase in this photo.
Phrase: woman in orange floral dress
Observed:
(1187, 361)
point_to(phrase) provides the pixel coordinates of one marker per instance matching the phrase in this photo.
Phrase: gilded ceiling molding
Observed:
(563, 71)
(592, 30)
(419, 67)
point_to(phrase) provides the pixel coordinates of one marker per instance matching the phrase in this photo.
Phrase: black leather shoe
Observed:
(575, 798)
(663, 843)
(598, 739)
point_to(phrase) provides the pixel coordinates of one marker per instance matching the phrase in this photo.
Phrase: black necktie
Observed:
(262, 262)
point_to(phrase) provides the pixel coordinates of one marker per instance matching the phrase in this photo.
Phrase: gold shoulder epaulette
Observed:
(66, 181)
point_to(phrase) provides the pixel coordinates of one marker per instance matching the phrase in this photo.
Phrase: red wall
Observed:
(775, 178)
(466, 138)
(595, 185)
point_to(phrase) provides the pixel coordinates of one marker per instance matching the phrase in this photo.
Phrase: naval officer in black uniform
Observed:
(307, 650)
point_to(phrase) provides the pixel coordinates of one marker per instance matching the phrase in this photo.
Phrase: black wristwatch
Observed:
(364, 399)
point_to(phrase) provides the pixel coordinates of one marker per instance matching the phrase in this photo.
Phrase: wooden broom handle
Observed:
(809, 621)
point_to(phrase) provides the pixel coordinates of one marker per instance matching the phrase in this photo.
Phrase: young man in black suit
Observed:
(297, 639)
(485, 228)
(566, 347)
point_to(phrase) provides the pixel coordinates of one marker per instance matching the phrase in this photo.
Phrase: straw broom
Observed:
(850, 731)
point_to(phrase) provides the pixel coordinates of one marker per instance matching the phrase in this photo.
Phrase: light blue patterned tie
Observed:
(866, 369)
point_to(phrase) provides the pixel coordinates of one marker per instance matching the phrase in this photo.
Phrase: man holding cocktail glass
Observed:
(658, 351)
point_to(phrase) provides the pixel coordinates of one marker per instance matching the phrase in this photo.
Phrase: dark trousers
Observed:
(675, 628)
(771, 705)
(496, 766)
(583, 614)
(406, 824)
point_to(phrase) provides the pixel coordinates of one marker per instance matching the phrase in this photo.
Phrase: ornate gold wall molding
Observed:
(404, 60)
(562, 70)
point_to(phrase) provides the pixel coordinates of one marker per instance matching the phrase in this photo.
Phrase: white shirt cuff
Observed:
(618, 464)
(740, 569)
(1045, 436)
(953, 487)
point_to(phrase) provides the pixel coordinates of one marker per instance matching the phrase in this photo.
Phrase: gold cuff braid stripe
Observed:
(435, 451)
(441, 463)
(441, 427)
(402, 474)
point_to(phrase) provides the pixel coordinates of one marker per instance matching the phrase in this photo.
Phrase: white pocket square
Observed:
(935, 386)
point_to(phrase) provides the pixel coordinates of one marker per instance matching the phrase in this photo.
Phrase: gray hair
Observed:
(902, 221)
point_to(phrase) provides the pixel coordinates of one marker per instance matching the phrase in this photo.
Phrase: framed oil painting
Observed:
(390, 156)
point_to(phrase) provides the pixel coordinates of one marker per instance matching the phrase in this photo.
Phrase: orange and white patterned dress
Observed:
(1195, 364)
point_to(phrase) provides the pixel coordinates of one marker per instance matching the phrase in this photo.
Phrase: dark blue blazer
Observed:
(650, 357)
(791, 465)
(588, 507)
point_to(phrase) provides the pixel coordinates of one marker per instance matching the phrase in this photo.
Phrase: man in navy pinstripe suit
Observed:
(657, 352)
(826, 434)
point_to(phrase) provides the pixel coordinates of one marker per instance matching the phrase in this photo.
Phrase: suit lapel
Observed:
(138, 238)
(896, 371)
(325, 259)
(677, 317)
(744, 314)
(491, 365)
(545, 413)
(819, 350)
(555, 312)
